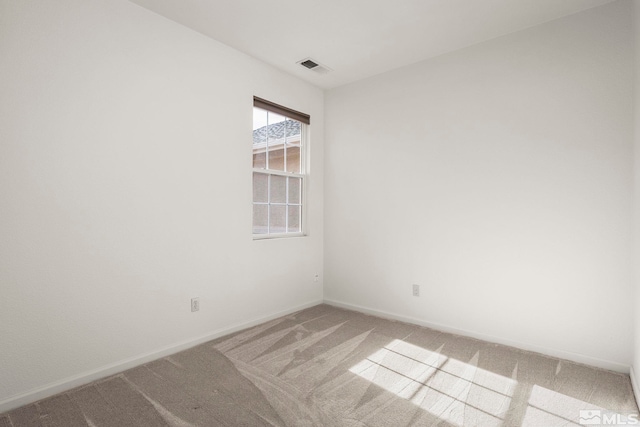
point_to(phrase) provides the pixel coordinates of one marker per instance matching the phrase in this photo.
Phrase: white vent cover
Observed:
(314, 65)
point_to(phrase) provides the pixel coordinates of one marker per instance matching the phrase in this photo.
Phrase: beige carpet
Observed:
(330, 367)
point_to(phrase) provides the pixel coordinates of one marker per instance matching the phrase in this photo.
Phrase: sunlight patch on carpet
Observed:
(550, 408)
(450, 389)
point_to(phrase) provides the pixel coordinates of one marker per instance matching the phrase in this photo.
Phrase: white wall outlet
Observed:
(416, 290)
(316, 277)
(195, 304)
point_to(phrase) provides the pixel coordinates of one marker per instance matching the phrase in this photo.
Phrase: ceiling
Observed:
(357, 38)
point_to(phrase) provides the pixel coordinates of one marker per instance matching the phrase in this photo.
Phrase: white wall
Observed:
(125, 190)
(635, 367)
(499, 178)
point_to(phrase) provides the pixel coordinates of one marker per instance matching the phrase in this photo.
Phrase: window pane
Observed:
(276, 157)
(277, 220)
(259, 158)
(259, 138)
(260, 187)
(277, 121)
(293, 158)
(278, 191)
(276, 132)
(260, 219)
(295, 184)
(292, 140)
(294, 219)
(259, 123)
(292, 130)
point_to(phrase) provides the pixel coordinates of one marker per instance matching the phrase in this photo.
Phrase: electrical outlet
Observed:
(416, 290)
(316, 277)
(195, 304)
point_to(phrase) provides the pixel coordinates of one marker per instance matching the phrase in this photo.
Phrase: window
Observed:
(279, 168)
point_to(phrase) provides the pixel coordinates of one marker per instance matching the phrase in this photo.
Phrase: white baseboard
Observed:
(86, 377)
(635, 386)
(574, 357)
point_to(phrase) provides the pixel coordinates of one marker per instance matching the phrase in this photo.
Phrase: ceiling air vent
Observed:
(309, 64)
(314, 65)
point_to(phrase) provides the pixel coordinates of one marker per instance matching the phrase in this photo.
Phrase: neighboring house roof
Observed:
(276, 131)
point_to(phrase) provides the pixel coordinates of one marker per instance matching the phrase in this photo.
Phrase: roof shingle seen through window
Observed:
(276, 131)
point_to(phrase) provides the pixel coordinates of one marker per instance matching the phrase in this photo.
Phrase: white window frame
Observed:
(303, 176)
